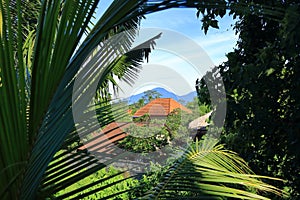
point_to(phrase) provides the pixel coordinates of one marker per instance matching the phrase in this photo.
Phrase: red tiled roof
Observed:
(115, 132)
(160, 107)
(103, 141)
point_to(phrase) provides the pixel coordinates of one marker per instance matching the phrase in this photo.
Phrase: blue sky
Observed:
(217, 41)
(169, 69)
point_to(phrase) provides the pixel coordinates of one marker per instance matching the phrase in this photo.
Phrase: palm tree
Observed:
(40, 60)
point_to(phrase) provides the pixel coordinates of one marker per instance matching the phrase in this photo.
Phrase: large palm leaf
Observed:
(60, 28)
(37, 74)
(208, 171)
(53, 67)
(87, 164)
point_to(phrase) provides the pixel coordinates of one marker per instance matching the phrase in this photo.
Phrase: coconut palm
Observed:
(207, 171)
(43, 46)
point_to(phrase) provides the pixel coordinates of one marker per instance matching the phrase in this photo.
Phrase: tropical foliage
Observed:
(146, 138)
(112, 180)
(261, 78)
(207, 171)
(154, 134)
(44, 47)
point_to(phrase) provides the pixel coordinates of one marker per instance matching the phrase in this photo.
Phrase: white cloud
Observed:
(215, 39)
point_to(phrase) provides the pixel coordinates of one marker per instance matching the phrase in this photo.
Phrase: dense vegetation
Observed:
(262, 84)
(157, 133)
(101, 179)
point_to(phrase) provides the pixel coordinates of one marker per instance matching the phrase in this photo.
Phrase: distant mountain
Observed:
(165, 94)
(188, 97)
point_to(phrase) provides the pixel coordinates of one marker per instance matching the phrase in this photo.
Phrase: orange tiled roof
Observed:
(160, 107)
(102, 141)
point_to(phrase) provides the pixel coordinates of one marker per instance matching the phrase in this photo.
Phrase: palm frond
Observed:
(127, 64)
(1, 24)
(253, 8)
(52, 69)
(60, 27)
(208, 171)
(13, 102)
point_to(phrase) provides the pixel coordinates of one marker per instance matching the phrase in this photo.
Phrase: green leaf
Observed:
(206, 170)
